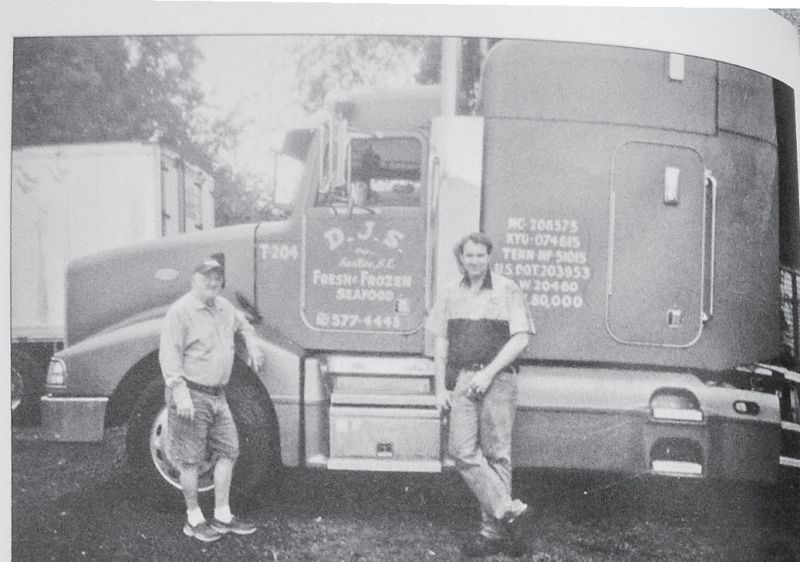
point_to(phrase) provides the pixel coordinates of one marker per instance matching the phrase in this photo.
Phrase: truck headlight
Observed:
(56, 373)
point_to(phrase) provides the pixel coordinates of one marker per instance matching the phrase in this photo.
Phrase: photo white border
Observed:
(691, 31)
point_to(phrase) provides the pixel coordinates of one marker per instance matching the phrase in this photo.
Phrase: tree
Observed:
(161, 95)
(242, 198)
(792, 15)
(68, 90)
(99, 89)
(106, 89)
(473, 51)
(330, 63)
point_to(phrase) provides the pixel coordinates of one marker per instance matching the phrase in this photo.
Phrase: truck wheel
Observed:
(146, 448)
(28, 372)
(17, 388)
(256, 423)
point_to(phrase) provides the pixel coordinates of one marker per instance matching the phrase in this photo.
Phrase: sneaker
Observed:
(202, 532)
(236, 526)
(482, 546)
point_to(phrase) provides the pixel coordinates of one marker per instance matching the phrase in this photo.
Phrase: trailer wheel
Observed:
(256, 423)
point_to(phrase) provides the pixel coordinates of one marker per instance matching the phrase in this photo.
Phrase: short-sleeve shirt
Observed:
(197, 340)
(477, 326)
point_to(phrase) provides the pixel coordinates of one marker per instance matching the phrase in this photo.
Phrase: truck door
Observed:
(658, 247)
(364, 258)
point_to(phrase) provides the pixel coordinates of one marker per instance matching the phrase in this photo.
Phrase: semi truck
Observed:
(640, 188)
(71, 200)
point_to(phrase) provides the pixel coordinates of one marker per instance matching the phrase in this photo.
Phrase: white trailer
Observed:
(73, 200)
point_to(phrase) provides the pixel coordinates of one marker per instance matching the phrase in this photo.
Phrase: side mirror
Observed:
(338, 152)
(325, 185)
(357, 193)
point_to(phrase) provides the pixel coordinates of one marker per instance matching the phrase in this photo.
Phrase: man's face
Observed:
(475, 260)
(207, 285)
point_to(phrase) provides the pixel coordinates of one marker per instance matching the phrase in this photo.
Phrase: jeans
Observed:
(480, 445)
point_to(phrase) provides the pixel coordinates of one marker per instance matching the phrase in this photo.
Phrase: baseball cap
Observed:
(207, 266)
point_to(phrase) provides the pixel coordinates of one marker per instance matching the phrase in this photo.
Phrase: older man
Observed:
(482, 324)
(196, 357)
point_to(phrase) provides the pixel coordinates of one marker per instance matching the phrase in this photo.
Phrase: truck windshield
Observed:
(384, 172)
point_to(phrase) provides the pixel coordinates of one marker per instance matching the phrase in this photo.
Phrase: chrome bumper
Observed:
(73, 419)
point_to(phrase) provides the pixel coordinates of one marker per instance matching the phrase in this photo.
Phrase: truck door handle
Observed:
(436, 183)
(671, 176)
(710, 255)
(434, 187)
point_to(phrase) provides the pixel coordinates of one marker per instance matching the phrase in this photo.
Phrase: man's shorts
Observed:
(211, 434)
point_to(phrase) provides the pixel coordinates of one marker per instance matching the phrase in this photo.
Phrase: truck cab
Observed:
(631, 193)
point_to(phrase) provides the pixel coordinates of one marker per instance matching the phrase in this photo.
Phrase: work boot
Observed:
(482, 546)
(514, 523)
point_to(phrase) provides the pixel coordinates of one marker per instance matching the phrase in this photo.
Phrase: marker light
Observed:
(56, 373)
(675, 404)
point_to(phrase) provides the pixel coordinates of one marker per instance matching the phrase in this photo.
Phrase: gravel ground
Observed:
(77, 502)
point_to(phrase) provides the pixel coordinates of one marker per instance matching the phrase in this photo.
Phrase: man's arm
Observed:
(441, 348)
(436, 325)
(251, 341)
(170, 358)
(170, 351)
(510, 351)
(520, 325)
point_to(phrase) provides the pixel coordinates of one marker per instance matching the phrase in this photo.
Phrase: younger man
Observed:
(482, 324)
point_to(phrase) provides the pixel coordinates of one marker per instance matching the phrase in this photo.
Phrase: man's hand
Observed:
(256, 358)
(479, 384)
(183, 401)
(443, 401)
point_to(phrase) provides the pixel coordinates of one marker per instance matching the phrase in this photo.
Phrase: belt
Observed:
(212, 390)
(478, 366)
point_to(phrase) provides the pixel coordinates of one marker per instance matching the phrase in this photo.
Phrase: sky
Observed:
(250, 77)
(254, 76)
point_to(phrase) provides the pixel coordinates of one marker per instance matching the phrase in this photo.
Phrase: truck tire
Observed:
(28, 372)
(17, 388)
(259, 445)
